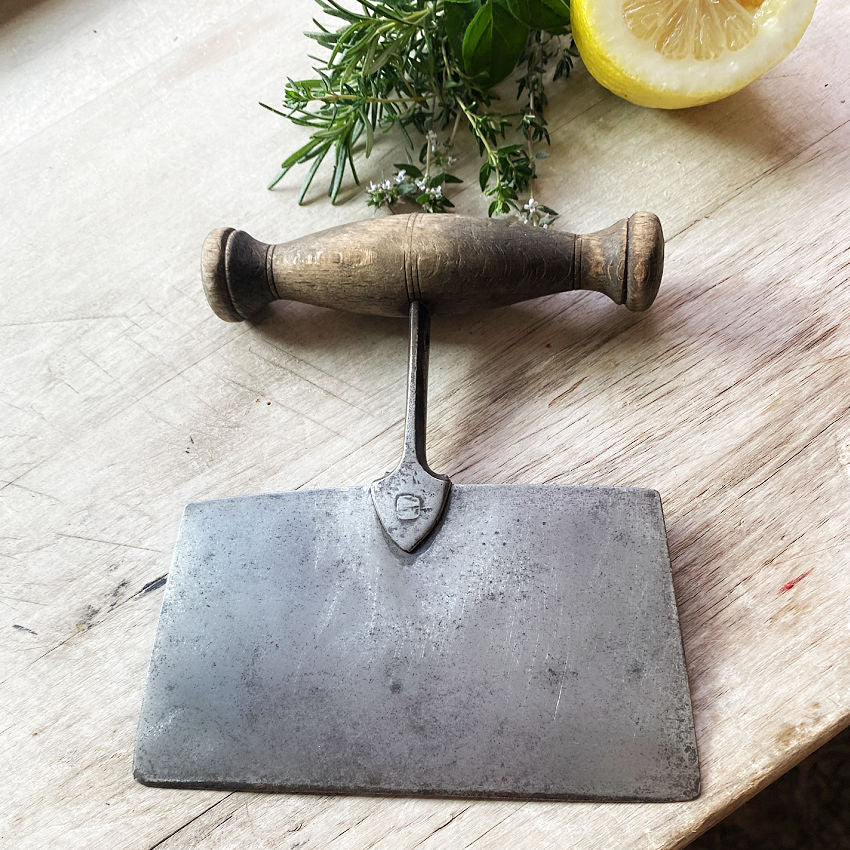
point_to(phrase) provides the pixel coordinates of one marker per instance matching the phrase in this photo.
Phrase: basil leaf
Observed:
(457, 15)
(548, 15)
(493, 43)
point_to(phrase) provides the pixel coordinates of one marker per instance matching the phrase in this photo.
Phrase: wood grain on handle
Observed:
(451, 263)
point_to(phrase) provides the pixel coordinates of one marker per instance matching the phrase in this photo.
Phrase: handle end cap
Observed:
(214, 274)
(644, 260)
(235, 273)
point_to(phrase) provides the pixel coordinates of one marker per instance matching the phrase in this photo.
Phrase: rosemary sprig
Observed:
(424, 69)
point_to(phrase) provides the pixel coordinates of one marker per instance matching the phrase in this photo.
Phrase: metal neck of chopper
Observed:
(417, 385)
(410, 500)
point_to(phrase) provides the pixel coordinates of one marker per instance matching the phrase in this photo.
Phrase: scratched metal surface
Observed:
(530, 648)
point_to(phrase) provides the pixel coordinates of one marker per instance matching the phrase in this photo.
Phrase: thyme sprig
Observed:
(425, 69)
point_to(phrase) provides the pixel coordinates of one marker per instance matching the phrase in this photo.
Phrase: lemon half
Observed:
(675, 53)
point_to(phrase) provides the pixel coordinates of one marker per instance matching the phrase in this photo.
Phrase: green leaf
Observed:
(408, 168)
(312, 173)
(280, 175)
(457, 14)
(550, 15)
(493, 43)
(370, 135)
(338, 172)
(444, 177)
(484, 175)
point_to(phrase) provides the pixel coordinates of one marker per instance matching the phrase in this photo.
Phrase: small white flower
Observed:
(401, 176)
(372, 186)
(420, 183)
(531, 206)
(436, 192)
(387, 184)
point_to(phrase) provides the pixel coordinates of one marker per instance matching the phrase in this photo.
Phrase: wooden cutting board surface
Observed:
(129, 130)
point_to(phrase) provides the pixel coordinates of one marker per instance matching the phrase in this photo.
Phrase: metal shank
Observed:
(410, 500)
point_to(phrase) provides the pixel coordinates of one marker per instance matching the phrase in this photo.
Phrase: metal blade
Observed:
(529, 648)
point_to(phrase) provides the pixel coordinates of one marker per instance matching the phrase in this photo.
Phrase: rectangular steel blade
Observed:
(530, 648)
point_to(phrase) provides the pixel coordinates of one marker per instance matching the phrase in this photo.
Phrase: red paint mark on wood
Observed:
(788, 585)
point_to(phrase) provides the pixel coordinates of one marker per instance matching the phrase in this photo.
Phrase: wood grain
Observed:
(450, 263)
(123, 397)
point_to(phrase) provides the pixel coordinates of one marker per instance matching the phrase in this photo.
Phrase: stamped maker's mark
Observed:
(408, 506)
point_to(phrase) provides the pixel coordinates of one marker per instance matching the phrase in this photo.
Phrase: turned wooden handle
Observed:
(451, 263)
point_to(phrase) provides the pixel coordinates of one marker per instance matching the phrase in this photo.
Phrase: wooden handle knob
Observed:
(451, 263)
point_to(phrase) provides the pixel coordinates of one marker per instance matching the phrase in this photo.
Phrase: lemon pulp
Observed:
(702, 29)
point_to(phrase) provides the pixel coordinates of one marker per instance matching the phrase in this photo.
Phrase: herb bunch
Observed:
(426, 69)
